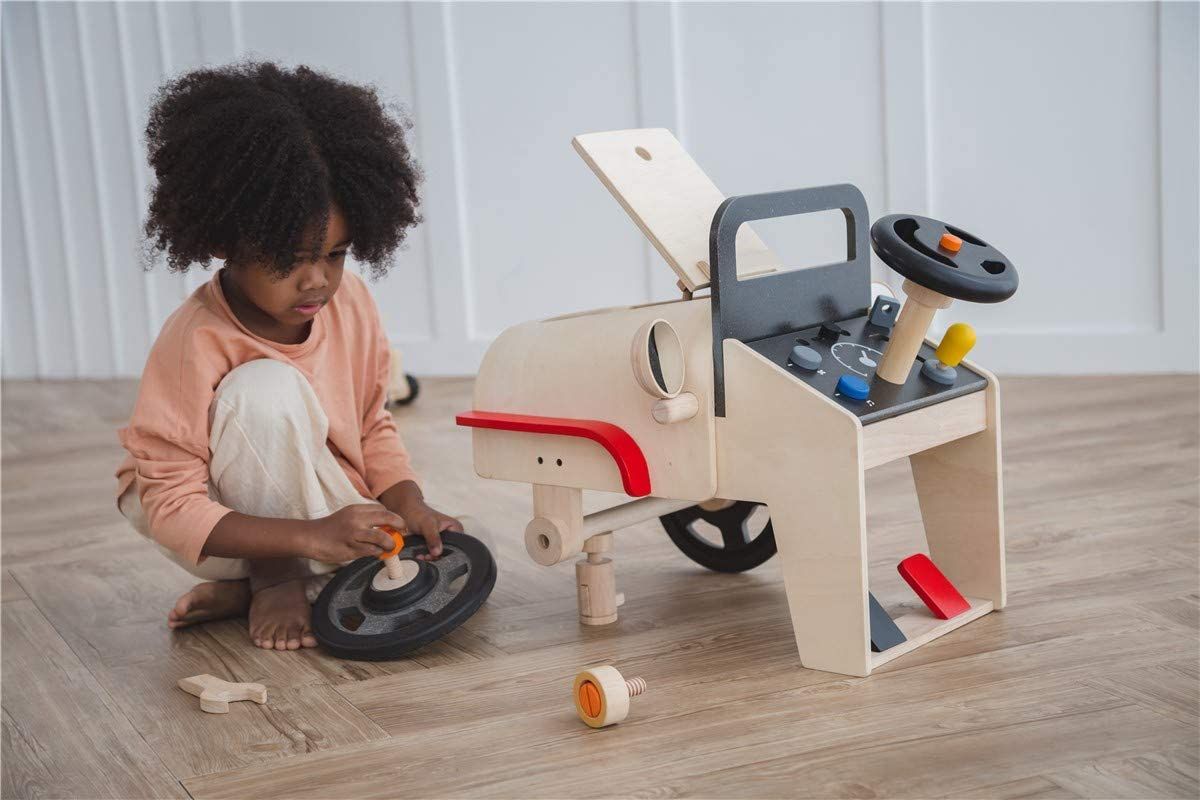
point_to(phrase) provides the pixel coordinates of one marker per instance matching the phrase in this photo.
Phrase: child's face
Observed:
(296, 299)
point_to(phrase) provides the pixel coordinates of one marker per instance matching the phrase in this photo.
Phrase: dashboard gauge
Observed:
(857, 358)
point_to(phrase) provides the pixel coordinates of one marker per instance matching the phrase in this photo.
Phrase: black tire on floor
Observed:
(740, 548)
(350, 623)
(414, 389)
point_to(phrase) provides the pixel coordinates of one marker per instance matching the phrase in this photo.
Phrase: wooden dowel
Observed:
(909, 333)
(631, 513)
(559, 528)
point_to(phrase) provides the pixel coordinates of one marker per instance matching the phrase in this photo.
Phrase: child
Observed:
(260, 453)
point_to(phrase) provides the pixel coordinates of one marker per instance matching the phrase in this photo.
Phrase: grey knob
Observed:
(805, 357)
(937, 371)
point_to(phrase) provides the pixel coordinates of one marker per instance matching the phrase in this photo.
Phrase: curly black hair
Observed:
(250, 157)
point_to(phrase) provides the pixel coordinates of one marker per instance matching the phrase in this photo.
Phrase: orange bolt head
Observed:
(589, 699)
(950, 242)
(397, 537)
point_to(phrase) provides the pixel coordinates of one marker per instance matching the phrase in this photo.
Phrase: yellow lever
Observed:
(956, 343)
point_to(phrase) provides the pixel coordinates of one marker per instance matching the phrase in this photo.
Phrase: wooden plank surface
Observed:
(1167, 773)
(1169, 689)
(735, 691)
(1084, 686)
(9, 588)
(111, 616)
(63, 734)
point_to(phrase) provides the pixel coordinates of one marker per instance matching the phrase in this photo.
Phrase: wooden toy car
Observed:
(763, 391)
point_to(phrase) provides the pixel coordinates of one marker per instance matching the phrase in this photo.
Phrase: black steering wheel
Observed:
(943, 258)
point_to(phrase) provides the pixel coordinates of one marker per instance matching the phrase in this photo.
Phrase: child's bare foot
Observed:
(281, 618)
(209, 601)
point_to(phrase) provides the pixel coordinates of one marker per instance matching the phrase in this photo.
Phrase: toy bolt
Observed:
(602, 695)
(395, 572)
(391, 559)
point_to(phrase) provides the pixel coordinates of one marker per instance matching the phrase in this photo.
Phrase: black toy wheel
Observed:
(740, 548)
(351, 619)
(912, 246)
(414, 389)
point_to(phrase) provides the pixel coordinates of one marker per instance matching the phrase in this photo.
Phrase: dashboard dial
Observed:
(857, 358)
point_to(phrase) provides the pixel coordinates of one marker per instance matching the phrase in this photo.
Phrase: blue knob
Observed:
(853, 387)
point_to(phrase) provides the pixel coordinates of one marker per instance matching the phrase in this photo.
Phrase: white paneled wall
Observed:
(1067, 134)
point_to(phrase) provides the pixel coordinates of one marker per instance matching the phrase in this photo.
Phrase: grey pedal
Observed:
(884, 632)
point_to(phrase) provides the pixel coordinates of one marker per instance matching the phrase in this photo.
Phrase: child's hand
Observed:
(352, 533)
(429, 523)
(405, 499)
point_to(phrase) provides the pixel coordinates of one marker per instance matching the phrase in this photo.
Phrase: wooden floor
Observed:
(1085, 686)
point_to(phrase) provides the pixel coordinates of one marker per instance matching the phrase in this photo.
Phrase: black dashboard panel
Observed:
(856, 352)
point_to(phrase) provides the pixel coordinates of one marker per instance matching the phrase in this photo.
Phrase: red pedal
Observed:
(932, 586)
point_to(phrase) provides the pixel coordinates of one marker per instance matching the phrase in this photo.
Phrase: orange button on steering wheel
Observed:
(950, 242)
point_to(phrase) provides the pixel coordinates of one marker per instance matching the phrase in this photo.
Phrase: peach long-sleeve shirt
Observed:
(346, 358)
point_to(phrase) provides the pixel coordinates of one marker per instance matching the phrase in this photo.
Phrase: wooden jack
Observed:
(559, 530)
(596, 581)
(216, 694)
(602, 695)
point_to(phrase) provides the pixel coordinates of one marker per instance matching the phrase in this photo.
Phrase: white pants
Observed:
(269, 459)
